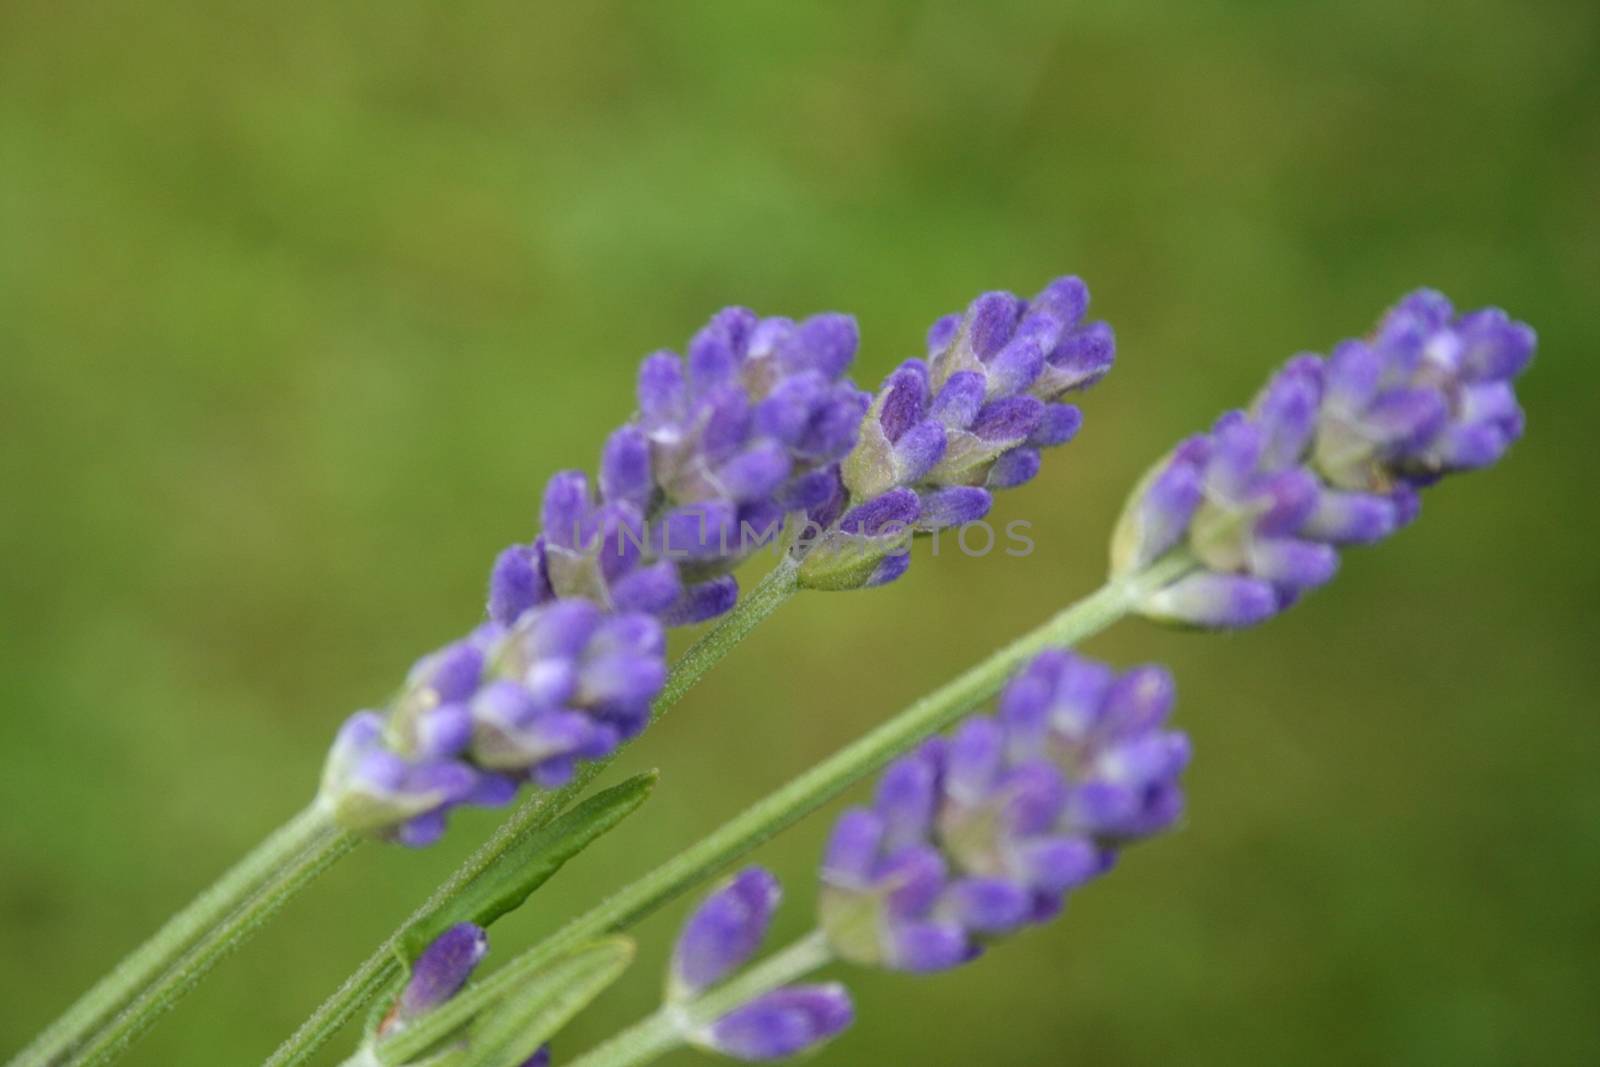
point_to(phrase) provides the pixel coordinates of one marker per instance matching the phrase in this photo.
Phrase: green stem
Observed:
(815, 787)
(385, 967)
(673, 1023)
(150, 980)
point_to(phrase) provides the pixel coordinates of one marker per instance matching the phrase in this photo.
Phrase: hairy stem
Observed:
(384, 967)
(152, 978)
(673, 1024)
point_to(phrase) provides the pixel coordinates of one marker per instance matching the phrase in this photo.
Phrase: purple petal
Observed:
(989, 905)
(1219, 601)
(442, 969)
(517, 583)
(952, 506)
(991, 320)
(782, 1023)
(921, 948)
(1294, 564)
(625, 468)
(754, 473)
(829, 342)
(661, 389)
(919, 450)
(889, 569)
(1067, 298)
(1351, 518)
(852, 852)
(1010, 419)
(1015, 467)
(1082, 358)
(1057, 864)
(906, 799)
(959, 400)
(566, 509)
(942, 332)
(704, 531)
(724, 931)
(905, 398)
(1015, 367)
(974, 759)
(444, 731)
(897, 508)
(653, 589)
(1060, 424)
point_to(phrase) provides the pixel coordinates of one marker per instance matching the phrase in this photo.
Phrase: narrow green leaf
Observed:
(528, 864)
(531, 1016)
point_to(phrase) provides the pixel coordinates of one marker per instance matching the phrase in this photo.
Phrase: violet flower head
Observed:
(981, 833)
(729, 439)
(944, 432)
(719, 938)
(508, 705)
(1333, 452)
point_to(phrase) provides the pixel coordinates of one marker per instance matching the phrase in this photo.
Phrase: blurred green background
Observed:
(300, 304)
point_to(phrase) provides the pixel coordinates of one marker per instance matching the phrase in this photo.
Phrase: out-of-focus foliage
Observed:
(301, 303)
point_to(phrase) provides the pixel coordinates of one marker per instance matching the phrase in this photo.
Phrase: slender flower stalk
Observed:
(150, 980)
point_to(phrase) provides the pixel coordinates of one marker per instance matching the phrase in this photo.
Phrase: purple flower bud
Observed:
(441, 970)
(723, 932)
(959, 400)
(780, 1024)
(1214, 601)
(625, 468)
(1014, 468)
(952, 506)
(517, 582)
(1060, 424)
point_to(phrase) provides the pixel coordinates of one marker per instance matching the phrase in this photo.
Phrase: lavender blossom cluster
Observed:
(968, 839)
(945, 432)
(565, 682)
(747, 428)
(979, 834)
(755, 423)
(1333, 452)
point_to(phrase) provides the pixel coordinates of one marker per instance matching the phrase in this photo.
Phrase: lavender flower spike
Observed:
(944, 433)
(976, 835)
(721, 936)
(508, 705)
(1333, 452)
(729, 439)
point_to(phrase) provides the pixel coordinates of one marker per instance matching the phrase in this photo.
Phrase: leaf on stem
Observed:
(507, 882)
